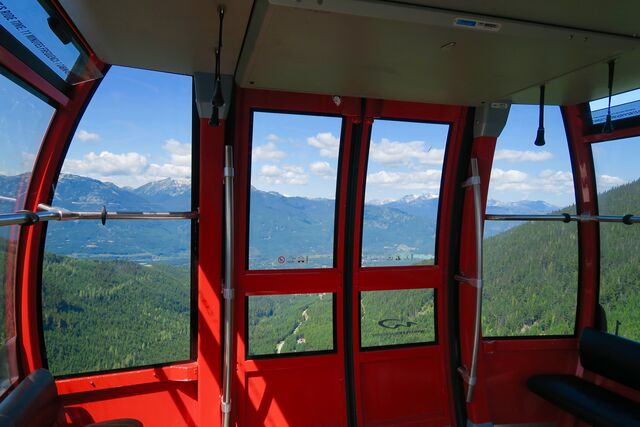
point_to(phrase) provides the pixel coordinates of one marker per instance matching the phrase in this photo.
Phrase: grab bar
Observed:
(470, 375)
(57, 214)
(564, 217)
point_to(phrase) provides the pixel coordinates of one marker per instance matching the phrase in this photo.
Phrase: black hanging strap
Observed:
(540, 137)
(608, 126)
(218, 97)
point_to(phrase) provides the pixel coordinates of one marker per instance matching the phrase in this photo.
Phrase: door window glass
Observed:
(294, 166)
(404, 173)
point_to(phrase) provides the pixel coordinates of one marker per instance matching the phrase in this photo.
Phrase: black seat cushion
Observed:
(593, 404)
(33, 403)
(611, 356)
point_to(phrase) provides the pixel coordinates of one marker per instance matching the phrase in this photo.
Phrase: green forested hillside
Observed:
(100, 315)
(531, 280)
(620, 261)
(531, 273)
(282, 324)
(397, 317)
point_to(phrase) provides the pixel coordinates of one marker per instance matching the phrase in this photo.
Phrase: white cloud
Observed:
(547, 181)
(107, 164)
(321, 168)
(180, 152)
(133, 168)
(606, 182)
(272, 137)
(273, 174)
(393, 153)
(425, 180)
(328, 144)
(522, 156)
(85, 136)
(556, 182)
(268, 151)
(509, 180)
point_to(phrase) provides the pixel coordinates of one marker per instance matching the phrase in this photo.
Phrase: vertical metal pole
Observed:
(477, 205)
(227, 289)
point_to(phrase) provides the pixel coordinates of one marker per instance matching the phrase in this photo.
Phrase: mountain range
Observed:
(295, 228)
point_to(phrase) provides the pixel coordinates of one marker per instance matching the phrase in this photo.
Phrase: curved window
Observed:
(618, 183)
(530, 269)
(23, 122)
(119, 295)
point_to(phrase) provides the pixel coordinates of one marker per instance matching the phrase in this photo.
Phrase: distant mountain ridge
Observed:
(279, 225)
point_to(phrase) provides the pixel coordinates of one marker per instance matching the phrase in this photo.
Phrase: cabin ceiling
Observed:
(379, 49)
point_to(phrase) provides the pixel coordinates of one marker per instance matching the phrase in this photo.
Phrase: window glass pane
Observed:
(402, 190)
(296, 323)
(397, 317)
(617, 179)
(530, 269)
(23, 122)
(118, 295)
(623, 106)
(31, 25)
(294, 164)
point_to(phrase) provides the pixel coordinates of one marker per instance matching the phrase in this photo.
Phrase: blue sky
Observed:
(137, 129)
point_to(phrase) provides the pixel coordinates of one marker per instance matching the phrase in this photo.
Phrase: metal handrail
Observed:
(470, 375)
(58, 214)
(626, 219)
(228, 288)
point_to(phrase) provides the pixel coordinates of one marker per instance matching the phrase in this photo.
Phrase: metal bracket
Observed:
(33, 217)
(225, 406)
(471, 181)
(227, 293)
(228, 172)
(476, 283)
(464, 373)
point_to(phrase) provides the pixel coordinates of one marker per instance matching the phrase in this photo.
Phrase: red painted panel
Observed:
(507, 373)
(210, 272)
(164, 404)
(305, 389)
(179, 373)
(404, 391)
(295, 397)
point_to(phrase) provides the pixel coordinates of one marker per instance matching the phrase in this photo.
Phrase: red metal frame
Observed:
(265, 381)
(415, 379)
(210, 272)
(269, 391)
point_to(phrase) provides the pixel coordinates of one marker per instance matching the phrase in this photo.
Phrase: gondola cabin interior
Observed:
(319, 213)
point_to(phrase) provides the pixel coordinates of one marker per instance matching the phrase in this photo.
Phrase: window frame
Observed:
(440, 191)
(31, 60)
(631, 131)
(194, 237)
(435, 342)
(334, 330)
(247, 213)
(579, 238)
(595, 129)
